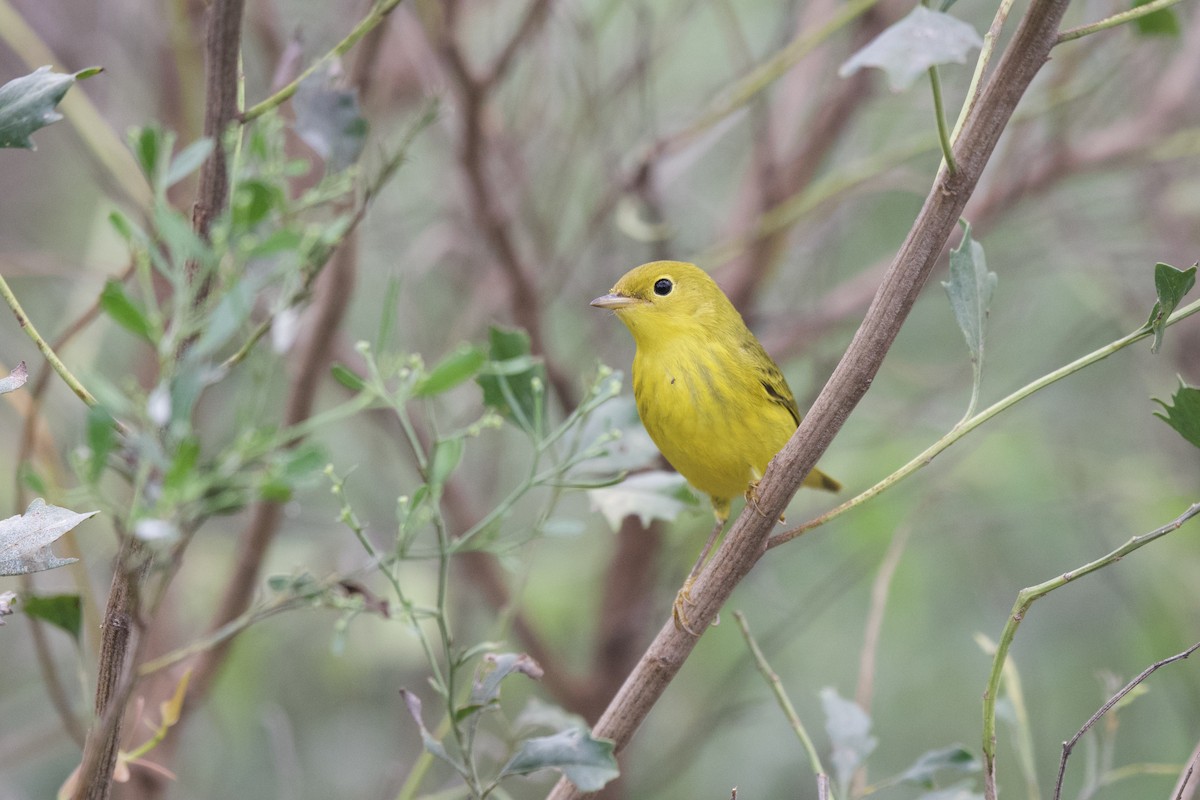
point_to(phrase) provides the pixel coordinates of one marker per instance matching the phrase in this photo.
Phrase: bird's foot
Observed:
(679, 611)
(752, 499)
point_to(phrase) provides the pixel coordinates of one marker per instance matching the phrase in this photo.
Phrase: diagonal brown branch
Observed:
(1025, 55)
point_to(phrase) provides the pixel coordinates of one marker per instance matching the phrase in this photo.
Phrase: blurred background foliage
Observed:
(571, 141)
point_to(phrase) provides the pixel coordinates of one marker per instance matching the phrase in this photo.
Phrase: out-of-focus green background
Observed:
(1096, 181)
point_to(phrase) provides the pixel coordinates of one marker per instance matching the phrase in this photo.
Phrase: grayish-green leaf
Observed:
(959, 791)
(1170, 285)
(61, 610)
(970, 290)
(28, 103)
(497, 667)
(908, 48)
(15, 380)
(954, 758)
(329, 120)
(1183, 412)
(850, 739)
(25, 539)
(652, 495)
(188, 160)
(432, 744)
(585, 761)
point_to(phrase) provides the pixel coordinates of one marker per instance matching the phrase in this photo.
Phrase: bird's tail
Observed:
(819, 480)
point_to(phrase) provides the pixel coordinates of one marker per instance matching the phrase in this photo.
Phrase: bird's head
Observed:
(666, 298)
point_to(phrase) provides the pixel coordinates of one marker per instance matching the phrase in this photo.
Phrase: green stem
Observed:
(965, 427)
(377, 14)
(985, 57)
(785, 703)
(23, 320)
(1114, 20)
(943, 129)
(1025, 599)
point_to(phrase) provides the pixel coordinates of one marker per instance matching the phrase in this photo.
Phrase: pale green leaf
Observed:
(908, 48)
(25, 539)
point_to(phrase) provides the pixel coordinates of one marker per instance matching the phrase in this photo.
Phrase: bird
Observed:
(713, 401)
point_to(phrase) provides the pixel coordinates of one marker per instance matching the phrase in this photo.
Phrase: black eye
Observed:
(663, 287)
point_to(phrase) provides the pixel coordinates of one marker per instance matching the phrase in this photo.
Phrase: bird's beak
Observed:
(614, 301)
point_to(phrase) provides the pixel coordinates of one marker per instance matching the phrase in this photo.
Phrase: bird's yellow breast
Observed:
(710, 415)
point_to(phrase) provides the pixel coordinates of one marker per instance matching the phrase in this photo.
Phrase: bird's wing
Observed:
(771, 379)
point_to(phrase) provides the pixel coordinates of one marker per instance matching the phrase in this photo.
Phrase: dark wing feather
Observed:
(771, 378)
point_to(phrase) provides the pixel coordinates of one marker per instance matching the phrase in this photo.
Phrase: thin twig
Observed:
(27, 325)
(1185, 787)
(1025, 598)
(377, 15)
(1069, 745)
(1114, 20)
(865, 690)
(785, 703)
(959, 431)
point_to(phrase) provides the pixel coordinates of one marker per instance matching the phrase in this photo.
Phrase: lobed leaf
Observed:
(909, 47)
(585, 761)
(656, 494)
(25, 539)
(1183, 413)
(29, 103)
(15, 380)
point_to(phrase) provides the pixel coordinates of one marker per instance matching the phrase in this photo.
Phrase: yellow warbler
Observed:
(708, 394)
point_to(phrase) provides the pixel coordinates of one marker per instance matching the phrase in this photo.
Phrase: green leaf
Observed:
(1163, 22)
(28, 104)
(513, 381)
(447, 455)
(908, 48)
(656, 494)
(15, 380)
(1183, 413)
(183, 465)
(61, 610)
(850, 739)
(101, 436)
(25, 539)
(585, 761)
(925, 769)
(459, 366)
(252, 201)
(1171, 285)
(125, 312)
(329, 120)
(187, 161)
(343, 375)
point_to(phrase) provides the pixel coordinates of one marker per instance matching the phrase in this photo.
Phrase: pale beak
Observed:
(614, 301)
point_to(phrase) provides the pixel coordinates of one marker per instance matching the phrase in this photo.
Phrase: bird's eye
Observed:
(663, 287)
